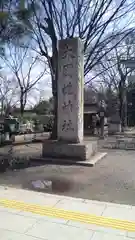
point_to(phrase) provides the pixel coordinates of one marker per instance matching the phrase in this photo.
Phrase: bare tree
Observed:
(8, 90)
(27, 69)
(93, 21)
(114, 75)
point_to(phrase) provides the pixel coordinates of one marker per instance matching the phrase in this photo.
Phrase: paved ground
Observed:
(112, 179)
(27, 215)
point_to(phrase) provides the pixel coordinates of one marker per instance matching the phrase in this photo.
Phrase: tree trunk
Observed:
(54, 129)
(102, 127)
(124, 113)
(55, 94)
(21, 106)
(123, 105)
(2, 106)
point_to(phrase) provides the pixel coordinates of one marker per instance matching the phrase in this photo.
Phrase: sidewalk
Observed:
(28, 215)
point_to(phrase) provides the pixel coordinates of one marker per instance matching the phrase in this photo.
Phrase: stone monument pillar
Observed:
(70, 90)
(70, 145)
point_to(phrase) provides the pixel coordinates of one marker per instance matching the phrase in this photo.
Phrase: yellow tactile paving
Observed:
(69, 215)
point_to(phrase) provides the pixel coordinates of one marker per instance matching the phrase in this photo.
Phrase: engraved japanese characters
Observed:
(70, 90)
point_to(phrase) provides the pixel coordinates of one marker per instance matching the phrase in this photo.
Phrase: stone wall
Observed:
(123, 144)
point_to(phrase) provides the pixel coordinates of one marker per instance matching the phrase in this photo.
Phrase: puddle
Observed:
(52, 185)
(40, 184)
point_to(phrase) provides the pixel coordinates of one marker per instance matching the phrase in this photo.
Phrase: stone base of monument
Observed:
(114, 128)
(61, 152)
(114, 124)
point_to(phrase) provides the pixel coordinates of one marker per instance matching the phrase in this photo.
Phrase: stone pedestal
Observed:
(114, 125)
(72, 151)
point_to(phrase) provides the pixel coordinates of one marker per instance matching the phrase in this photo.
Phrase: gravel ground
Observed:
(112, 179)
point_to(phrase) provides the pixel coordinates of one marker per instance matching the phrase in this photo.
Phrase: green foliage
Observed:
(14, 21)
(43, 107)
